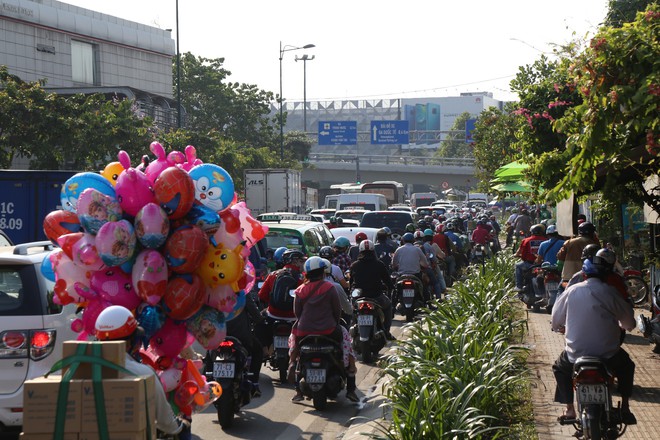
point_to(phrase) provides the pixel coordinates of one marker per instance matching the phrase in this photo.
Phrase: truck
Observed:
(311, 198)
(27, 197)
(273, 190)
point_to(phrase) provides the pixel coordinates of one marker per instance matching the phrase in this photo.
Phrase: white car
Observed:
(351, 231)
(32, 326)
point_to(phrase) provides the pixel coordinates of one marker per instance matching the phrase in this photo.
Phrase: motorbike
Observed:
(528, 295)
(279, 360)
(409, 294)
(229, 366)
(321, 369)
(637, 287)
(551, 278)
(650, 327)
(596, 417)
(368, 332)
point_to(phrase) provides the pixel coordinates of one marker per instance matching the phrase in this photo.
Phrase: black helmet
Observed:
(604, 261)
(381, 235)
(537, 230)
(327, 252)
(589, 251)
(410, 227)
(292, 254)
(586, 228)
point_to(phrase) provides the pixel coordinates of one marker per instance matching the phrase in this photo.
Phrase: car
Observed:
(423, 211)
(32, 326)
(350, 214)
(395, 220)
(326, 213)
(405, 208)
(350, 233)
(296, 231)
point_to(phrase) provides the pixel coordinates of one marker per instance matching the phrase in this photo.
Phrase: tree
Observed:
(624, 11)
(454, 144)
(614, 133)
(238, 112)
(494, 143)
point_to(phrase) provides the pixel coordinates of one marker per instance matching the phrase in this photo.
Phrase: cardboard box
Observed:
(113, 351)
(27, 436)
(124, 405)
(40, 404)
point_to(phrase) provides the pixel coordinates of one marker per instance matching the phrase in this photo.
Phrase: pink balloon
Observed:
(253, 230)
(116, 242)
(250, 275)
(191, 158)
(170, 339)
(152, 226)
(82, 250)
(208, 326)
(114, 286)
(67, 273)
(221, 297)
(133, 190)
(157, 166)
(149, 276)
(95, 209)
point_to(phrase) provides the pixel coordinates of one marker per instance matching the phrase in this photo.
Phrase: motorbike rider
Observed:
(527, 252)
(293, 263)
(544, 213)
(459, 255)
(277, 257)
(591, 333)
(449, 249)
(117, 323)
(409, 259)
(509, 226)
(370, 275)
(355, 249)
(317, 309)
(523, 223)
(336, 273)
(481, 236)
(571, 251)
(435, 256)
(549, 248)
(384, 247)
(342, 259)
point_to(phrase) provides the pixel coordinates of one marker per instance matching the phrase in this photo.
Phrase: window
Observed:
(82, 62)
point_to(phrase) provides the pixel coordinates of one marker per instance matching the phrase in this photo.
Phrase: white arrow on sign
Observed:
(324, 133)
(375, 130)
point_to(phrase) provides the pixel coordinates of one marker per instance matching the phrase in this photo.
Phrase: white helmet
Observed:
(313, 263)
(367, 245)
(115, 322)
(328, 266)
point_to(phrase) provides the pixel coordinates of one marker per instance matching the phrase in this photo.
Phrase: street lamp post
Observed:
(178, 70)
(304, 59)
(283, 49)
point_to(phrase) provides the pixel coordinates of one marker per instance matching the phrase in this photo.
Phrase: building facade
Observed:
(77, 50)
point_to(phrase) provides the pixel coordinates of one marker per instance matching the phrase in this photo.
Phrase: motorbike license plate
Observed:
(315, 375)
(280, 342)
(223, 370)
(408, 293)
(552, 286)
(596, 393)
(365, 320)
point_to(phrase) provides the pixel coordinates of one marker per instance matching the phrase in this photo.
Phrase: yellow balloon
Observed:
(112, 172)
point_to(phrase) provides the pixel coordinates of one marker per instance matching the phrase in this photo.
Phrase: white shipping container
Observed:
(273, 190)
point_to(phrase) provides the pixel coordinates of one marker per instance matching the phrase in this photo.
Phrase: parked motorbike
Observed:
(228, 365)
(321, 369)
(596, 418)
(637, 287)
(368, 331)
(650, 327)
(551, 278)
(279, 360)
(409, 294)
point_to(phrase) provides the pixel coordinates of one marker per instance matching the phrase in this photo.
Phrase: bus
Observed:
(393, 191)
(346, 188)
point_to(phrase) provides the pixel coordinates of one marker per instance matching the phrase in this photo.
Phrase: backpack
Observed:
(285, 281)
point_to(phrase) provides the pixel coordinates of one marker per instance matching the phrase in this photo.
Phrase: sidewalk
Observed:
(546, 347)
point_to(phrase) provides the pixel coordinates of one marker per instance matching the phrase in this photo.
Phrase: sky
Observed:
(369, 49)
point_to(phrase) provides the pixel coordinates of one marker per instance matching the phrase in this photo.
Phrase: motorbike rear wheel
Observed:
(638, 289)
(410, 313)
(283, 369)
(365, 348)
(591, 422)
(320, 399)
(225, 406)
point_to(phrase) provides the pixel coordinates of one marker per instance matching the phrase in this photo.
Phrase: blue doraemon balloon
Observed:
(77, 183)
(214, 187)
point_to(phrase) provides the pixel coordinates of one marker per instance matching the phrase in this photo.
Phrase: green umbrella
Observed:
(511, 171)
(518, 186)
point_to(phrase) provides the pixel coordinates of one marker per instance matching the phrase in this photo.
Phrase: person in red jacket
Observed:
(528, 252)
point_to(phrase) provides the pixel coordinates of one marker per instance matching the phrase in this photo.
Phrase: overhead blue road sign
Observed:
(337, 132)
(469, 128)
(390, 132)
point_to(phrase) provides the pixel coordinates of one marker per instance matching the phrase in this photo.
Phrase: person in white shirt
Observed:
(590, 315)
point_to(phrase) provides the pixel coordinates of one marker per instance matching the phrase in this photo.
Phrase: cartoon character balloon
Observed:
(115, 242)
(77, 183)
(185, 249)
(184, 296)
(152, 226)
(214, 187)
(96, 209)
(112, 172)
(222, 266)
(150, 276)
(191, 158)
(208, 327)
(133, 188)
(157, 166)
(114, 285)
(61, 222)
(175, 192)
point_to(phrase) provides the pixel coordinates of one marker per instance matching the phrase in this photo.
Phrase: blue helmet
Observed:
(278, 254)
(408, 237)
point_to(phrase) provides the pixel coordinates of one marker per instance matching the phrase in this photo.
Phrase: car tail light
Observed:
(35, 344)
(42, 343)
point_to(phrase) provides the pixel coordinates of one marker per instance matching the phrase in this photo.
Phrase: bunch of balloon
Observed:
(165, 239)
